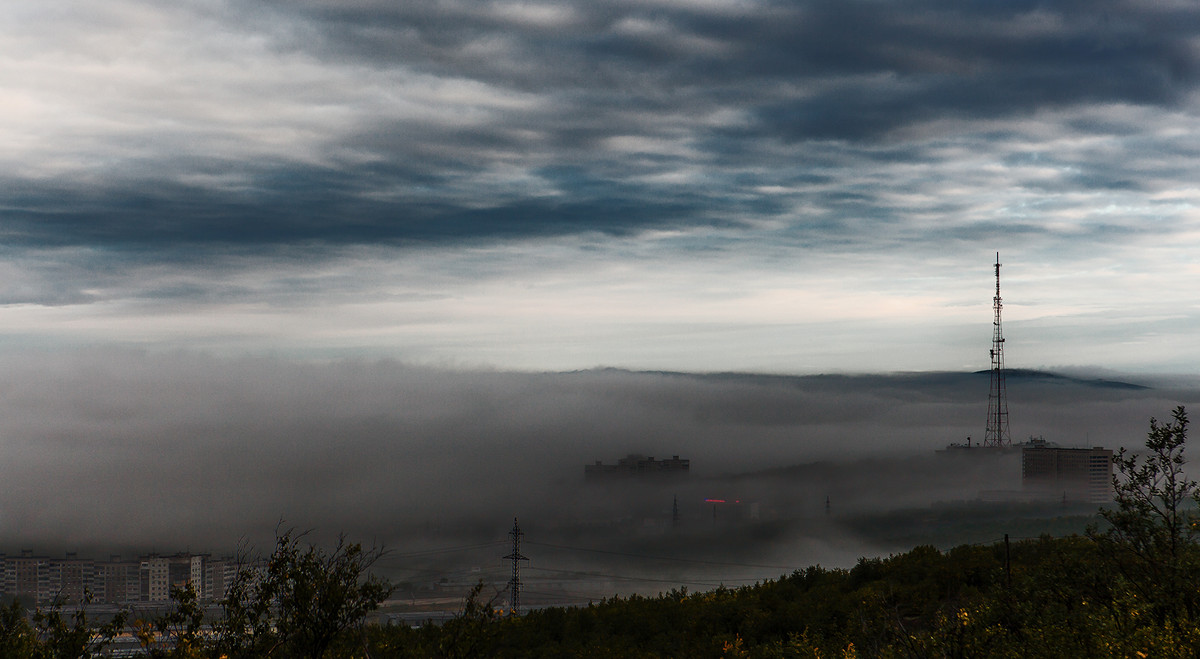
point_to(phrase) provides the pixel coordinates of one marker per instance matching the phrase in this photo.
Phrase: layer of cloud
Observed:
(130, 450)
(268, 123)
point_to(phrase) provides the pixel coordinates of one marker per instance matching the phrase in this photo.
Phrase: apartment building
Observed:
(1072, 474)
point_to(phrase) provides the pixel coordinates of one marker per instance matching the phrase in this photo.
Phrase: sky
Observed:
(697, 185)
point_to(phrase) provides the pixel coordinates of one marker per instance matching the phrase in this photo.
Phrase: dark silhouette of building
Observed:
(634, 466)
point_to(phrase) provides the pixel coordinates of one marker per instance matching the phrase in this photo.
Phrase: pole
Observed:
(1007, 565)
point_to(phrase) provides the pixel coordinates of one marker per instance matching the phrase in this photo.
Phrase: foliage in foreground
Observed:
(1130, 590)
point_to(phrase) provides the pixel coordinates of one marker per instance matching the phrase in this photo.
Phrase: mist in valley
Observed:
(136, 452)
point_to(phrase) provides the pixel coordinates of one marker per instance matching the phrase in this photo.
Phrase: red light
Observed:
(714, 501)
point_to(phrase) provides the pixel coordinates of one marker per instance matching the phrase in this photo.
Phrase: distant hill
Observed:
(1046, 376)
(922, 378)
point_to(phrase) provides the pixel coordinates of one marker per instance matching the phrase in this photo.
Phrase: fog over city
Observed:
(130, 451)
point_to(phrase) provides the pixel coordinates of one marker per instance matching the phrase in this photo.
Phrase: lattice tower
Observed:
(514, 584)
(996, 435)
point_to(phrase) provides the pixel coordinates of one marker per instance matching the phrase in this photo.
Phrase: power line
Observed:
(665, 558)
(439, 551)
(596, 575)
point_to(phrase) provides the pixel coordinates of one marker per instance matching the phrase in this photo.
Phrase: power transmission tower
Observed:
(996, 435)
(514, 584)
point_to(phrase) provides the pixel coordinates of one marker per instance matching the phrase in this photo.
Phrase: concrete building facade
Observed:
(27, 576)
(42, 579)
(1072, 474)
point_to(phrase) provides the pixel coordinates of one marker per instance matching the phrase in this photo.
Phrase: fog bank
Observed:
(124, 450)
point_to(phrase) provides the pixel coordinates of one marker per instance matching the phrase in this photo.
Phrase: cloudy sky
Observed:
(791, 187)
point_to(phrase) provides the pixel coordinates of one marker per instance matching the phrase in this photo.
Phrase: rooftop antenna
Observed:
(997, 435)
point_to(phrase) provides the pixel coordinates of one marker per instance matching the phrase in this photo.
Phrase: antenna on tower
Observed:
(514, 584)
(996, 435)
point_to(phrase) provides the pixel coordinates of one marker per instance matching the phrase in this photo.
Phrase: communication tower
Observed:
(997, 435)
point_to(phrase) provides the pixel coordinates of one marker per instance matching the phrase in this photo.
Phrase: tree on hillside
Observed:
(175, 634)
(472, 631)
(1152, 538)
(51, 633)
(301, 601)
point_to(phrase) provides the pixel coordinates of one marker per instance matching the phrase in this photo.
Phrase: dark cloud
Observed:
(693, 88)
(873, 66)
(308, 206)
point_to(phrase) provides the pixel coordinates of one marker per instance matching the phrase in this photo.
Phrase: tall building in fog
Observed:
(156, 579)
(635, 465)
(117, 581)
(27, 576)
(1073, 474)
(218, 575)
(71, 578)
